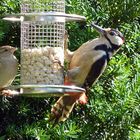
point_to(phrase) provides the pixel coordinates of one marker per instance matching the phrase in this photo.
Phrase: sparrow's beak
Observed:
(13, 49)
(99, 29)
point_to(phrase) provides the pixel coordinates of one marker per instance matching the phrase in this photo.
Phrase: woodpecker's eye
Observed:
(112, 33)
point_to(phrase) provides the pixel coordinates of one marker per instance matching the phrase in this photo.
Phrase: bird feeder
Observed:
(42, 44)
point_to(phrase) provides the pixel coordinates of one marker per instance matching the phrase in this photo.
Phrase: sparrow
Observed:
(8, 68)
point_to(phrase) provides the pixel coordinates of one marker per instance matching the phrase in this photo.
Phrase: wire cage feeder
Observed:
(42, 47)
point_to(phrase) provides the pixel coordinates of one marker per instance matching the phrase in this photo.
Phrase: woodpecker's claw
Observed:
(83, 99)
(66, 36)
(57, 61)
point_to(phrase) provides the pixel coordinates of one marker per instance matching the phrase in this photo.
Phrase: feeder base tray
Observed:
(45, 90)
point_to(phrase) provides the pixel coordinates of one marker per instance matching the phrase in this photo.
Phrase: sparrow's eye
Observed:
(112, 33)
(3, 50)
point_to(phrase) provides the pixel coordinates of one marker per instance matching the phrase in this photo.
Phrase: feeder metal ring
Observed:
(45, 16)
(46, 90)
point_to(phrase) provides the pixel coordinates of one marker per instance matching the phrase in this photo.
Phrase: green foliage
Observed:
(9, 32)
(113, 110)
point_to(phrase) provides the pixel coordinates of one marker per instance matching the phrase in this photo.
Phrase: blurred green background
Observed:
(113, 109)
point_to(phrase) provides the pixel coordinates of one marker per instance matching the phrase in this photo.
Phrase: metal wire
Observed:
(40, 35)
(42, 6)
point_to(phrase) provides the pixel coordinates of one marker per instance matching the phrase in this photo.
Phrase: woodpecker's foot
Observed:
(66, 36)
(8, 92)
(58, 63)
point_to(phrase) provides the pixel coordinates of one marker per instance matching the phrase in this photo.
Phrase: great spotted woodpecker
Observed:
(86, 65)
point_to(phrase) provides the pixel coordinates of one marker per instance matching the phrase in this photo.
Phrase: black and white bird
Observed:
(86, 65)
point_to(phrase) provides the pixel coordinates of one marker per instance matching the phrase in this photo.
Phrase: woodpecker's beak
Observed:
(99, 29)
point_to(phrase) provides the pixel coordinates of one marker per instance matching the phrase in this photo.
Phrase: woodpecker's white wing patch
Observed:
(73, 72)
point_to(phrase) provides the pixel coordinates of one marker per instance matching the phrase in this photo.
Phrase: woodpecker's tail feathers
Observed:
(62, 109)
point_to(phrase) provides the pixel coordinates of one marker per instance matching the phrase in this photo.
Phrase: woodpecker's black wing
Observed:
(95, 71)
(97, 68)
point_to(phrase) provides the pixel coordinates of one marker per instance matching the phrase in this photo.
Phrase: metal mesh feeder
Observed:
(31, 6)
(42, 46)
(42, 54)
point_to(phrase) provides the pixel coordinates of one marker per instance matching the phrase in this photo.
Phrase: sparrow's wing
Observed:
(0, 67)
(1, 75)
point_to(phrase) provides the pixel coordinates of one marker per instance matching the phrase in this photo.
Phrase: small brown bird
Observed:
(8, 68)
(86, 65)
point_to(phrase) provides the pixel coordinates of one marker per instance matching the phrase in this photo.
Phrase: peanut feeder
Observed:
(42, 42)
